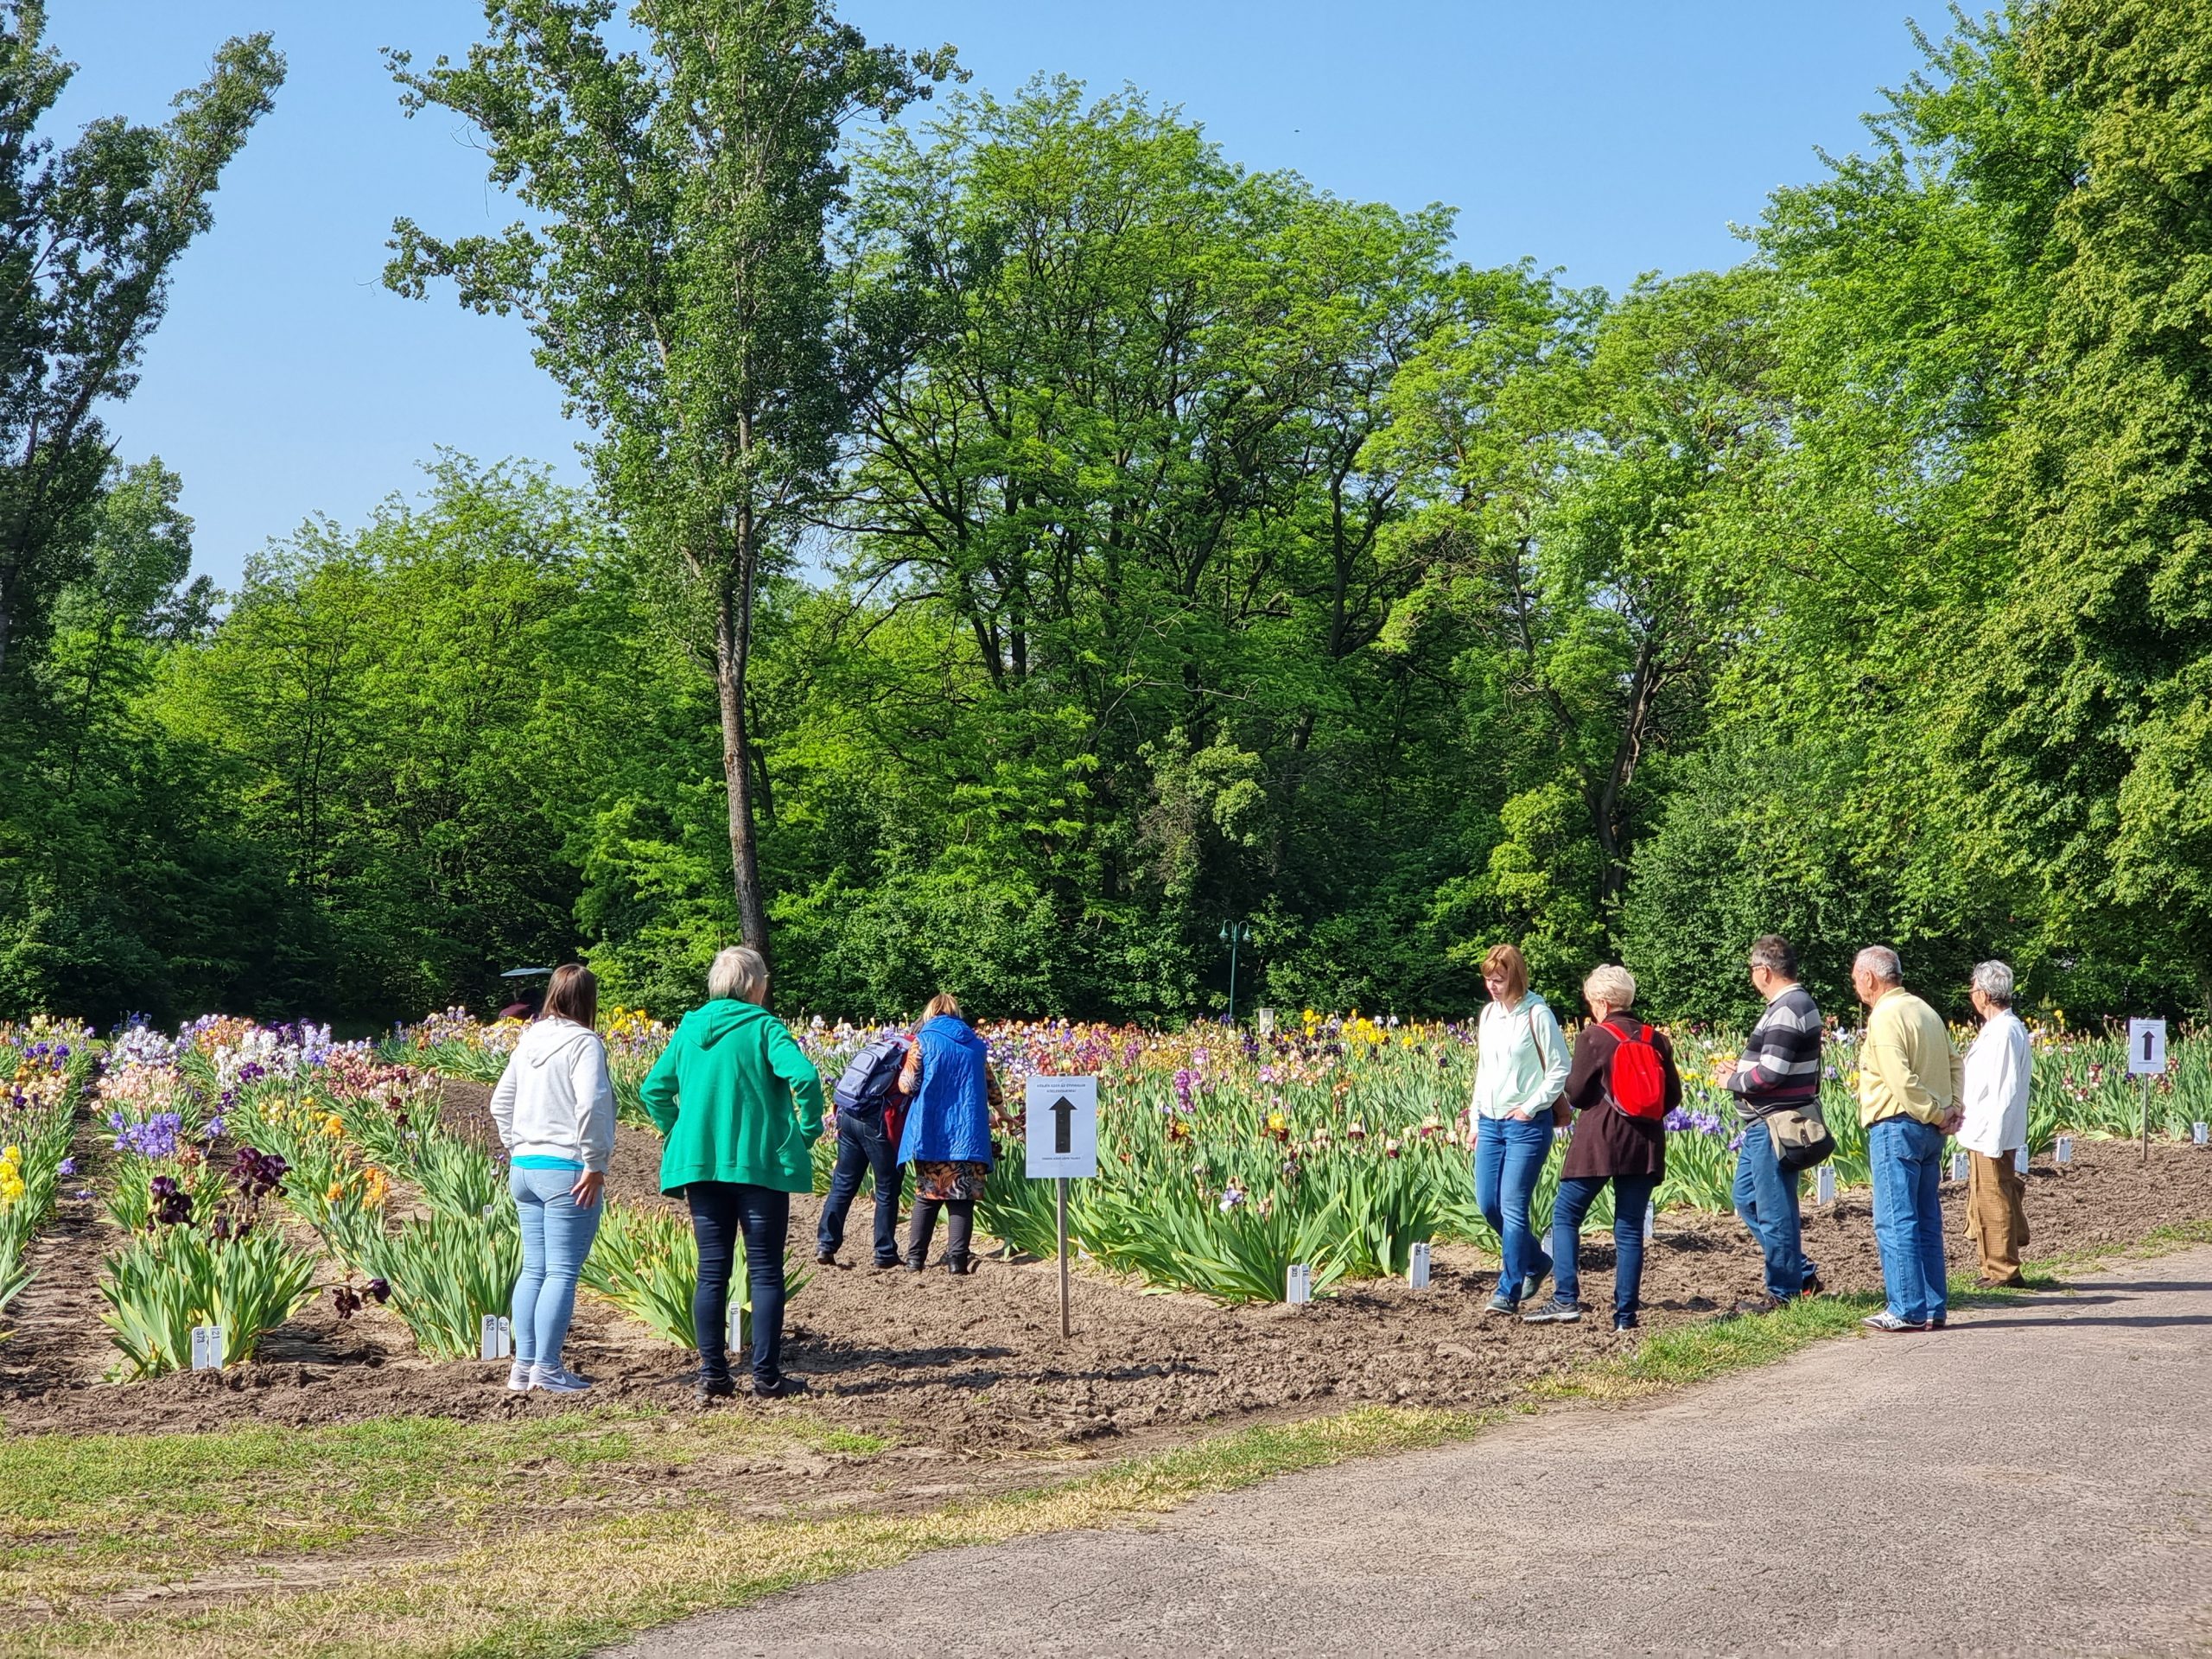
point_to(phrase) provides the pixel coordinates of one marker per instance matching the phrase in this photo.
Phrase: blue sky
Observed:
(1606, 137)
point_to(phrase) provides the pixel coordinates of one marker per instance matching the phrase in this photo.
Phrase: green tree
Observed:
(677, 279)
(88, 239)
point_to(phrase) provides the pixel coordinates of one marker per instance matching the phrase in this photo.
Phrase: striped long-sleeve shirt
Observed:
(1781, 1063)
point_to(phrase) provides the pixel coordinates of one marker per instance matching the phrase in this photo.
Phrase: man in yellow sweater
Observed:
(1909, 1085)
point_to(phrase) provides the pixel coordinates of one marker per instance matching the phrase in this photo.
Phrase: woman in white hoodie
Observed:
(555, 1110)
(1521, 1070)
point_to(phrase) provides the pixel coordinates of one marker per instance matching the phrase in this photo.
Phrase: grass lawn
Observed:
(421, 1537)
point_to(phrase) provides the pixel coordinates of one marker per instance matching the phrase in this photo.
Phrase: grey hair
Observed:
(1613, 986)
(1772, 952)
(1994, 981)
(1881, 962)
(738, 975)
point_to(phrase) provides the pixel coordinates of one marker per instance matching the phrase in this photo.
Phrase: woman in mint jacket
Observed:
(739, 1106)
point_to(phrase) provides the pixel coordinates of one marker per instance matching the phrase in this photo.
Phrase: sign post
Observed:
(1063, 1145)
(2146, 1059)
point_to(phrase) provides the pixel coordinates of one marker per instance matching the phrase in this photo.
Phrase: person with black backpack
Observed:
(869, 1110)
(1621, 1084)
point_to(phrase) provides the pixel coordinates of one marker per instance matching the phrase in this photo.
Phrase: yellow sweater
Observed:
(1906, 1065)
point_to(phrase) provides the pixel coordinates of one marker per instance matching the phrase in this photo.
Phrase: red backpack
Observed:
(1637, 1077)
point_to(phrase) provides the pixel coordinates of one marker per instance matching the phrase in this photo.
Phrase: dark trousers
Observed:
(959, 1227)
(861, 1149)
(723, 1213)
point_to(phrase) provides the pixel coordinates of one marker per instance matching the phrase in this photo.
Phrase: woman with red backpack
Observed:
(1621, 1085)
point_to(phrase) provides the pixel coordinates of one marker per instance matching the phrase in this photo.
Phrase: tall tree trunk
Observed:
(733, 646)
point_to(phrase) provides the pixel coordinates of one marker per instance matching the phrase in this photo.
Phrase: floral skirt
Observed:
(949, 1183)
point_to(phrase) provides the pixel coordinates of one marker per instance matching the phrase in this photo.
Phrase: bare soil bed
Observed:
(976, 1367)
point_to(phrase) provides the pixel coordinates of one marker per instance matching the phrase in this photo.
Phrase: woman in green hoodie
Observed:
(739, 1105)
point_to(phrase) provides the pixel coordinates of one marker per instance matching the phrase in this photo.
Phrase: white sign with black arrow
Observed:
(1063, 1122)
(1063, 1118)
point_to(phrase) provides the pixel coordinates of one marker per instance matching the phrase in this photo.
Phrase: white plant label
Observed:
(1650, 1222)
(2021, 1159)
(1062, 1134)
(2200, 1133)
(206, 1347)
(2146, 1048)
(1824, 1185)
(496, 1338)
(1417, 1267)
(1267, 1022)
(1298, 1283)
(739, 1333)
(2063, 1152)
(1958, 1166)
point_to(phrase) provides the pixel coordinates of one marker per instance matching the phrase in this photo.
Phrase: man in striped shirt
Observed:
(1780, 1067)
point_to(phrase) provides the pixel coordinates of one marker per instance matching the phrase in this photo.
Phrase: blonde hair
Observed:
(1509, 965)
(943, 1002)
(1612, 985)
(738, 975)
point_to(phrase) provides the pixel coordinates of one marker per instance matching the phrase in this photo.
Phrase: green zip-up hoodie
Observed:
(736, 1099)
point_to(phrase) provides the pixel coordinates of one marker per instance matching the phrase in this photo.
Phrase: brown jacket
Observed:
(1607, 1141)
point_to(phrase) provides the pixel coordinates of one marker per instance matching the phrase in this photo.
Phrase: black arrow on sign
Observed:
(1062, 1115)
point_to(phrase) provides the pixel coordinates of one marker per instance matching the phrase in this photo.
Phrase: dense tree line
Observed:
(1159, 543)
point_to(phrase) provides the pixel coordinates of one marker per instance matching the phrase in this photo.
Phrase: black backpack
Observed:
(869, 1075)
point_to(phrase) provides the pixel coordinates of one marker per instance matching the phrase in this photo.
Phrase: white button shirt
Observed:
(1996, 1095)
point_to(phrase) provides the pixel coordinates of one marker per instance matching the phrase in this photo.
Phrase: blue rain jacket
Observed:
(950, 1121)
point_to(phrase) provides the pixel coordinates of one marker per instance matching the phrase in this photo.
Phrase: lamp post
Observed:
(1232, 934)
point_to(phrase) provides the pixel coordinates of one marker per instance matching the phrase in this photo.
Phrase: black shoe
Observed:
(825, 1258)
(957, 1265)
(890, 1266)
(916, 1261)
(714, 1388)
(1813, 1287)
(782, 1389)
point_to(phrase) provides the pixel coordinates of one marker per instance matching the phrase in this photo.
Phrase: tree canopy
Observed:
(1139, 542)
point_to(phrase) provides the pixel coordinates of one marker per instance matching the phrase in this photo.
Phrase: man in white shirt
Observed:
(1995, 1100)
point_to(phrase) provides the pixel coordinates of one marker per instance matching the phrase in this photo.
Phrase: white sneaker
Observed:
(553, 1380)
(518, 1374)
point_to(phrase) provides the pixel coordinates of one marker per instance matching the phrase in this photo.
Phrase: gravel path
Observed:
(2036, 1480)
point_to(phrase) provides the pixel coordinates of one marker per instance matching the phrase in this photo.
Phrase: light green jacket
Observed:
(1522, 1061)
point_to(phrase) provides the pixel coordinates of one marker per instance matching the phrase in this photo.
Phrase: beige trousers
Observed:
(1995, 1220)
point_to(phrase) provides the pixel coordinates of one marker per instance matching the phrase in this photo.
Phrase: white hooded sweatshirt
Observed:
(555, 1099)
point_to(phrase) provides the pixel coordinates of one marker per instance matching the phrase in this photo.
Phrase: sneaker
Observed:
(1553, 1313)
(1623, 1321)
(1503, 1302)
(1888, 1324)
(1813, 1287)
(714, 1388)
(1535, 1281)
(1936, 1323)
(518, 1374)
(555, 1379)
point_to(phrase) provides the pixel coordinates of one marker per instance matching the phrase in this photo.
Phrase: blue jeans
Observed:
(722, 1213)
(862, 1148)
(1907, 1156)
(556, 1235)
(1631, 1198)
(1508, 1156)
(1765, 1196)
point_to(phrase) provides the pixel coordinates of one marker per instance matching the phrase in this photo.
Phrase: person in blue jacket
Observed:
(947, 1077)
